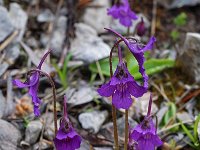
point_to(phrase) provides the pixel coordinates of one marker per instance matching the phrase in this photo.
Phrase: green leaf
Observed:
(187, 132)
(151, 66)
(174, 35)
(196, 128)
(170, 113)
(64, 69)
(104, 64)
(181, 19)
(62, 72)
(193, 146)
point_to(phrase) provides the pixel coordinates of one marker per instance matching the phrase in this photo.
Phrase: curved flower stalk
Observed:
(67, 138)
(123, 12)
(144, 135)
(32, 83)
(137, 49)
(122, 85)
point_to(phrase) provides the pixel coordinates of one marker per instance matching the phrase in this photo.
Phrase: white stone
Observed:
(97, 17)
(141, 105)
(93, 120)
(9, 136)
(81, 94)
(6, 27)
(18, 18)
(33, 131)
(45, 16)
(189, 56)
(87, 46)
(59, 36)
(2, 104)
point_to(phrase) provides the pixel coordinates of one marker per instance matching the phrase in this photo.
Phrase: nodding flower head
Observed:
(144, 134)
(122, 11)
(137, 49)
(66, 138)
(32, 83)
(141, 28)
(121, 86)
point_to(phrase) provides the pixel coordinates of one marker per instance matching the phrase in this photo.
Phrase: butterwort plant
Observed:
(32, 83)
(144, 135)
(122, 84)
(122, 11)
(66, 138)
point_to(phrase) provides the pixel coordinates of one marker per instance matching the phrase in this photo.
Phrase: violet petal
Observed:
(122, 99)
(106, 90)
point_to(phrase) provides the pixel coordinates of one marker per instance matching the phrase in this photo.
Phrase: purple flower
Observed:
(123, 12)
(144, 134)
(66, 138)
(32, 83)
(121, 86)
(141, 28)
(138, 49)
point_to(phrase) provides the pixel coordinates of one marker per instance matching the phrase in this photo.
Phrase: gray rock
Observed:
(25, 145)
(44, 39)
(9, 136)
(36, 59)
(10, 106)
(189, 56)
(97, 17)
(1, 2)
(81, 94)
(58, 37)
(45, 16)
(6, 27)
(18, 18)
(3, 68)
(49, 131)
(42, 145)
(184, 116)
(32, 42)
(2, 104)
(115, 24)
(93, 120)
(170, 4)
(12, 53)
(84, 145)
(49, 126)
(33, 131)
(107, 129)
(87, 46)
(141, 105)
(103, 148)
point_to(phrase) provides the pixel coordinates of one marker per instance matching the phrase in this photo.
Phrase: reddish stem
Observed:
(65, 106)
(43, 59)
(149, 107)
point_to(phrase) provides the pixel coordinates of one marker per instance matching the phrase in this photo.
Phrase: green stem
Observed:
(126, 130)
